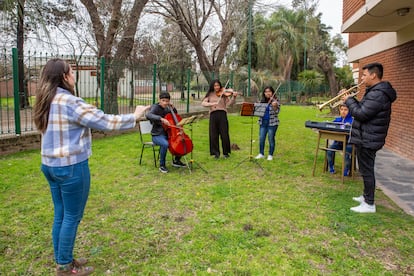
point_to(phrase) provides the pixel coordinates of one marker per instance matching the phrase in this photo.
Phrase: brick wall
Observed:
(31, 141)
(350, 7)
(6, 88)
(19, 143)
(356, 38)
(398, 65)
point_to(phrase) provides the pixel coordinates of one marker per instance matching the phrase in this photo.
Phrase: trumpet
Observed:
(337, 100)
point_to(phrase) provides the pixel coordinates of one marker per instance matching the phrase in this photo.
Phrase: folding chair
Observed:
(145, 128)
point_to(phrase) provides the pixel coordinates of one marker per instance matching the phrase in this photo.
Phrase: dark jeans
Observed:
(270, 131)
(69, 186)
(219, 128)
(338, 146)
(366, 163)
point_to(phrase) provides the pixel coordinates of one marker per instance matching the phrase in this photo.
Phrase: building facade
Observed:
(383, 31)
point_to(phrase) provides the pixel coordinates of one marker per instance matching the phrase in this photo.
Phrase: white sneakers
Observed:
(359, 199)
(259, 156)
(363, 207)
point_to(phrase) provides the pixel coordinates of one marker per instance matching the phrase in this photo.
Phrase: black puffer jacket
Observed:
(372, 115)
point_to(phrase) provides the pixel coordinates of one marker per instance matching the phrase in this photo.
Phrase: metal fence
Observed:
(115, 87)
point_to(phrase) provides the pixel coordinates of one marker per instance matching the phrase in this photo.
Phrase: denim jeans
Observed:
(69, 186)
(162, 141)
(270, 131)
(338, 146)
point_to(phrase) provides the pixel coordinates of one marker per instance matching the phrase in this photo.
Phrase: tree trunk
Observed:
(23, 84)
(111, 89)
(106, 41)
(205, 65)
(193, 16)
(326, 66)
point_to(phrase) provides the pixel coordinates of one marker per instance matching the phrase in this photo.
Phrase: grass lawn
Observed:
(234, 220)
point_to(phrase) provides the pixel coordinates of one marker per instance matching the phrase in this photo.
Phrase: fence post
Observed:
(154, 82)
(188, 89)
(16, 91)
(102, 84)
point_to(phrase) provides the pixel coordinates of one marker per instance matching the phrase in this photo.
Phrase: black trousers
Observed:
(366, 163)
(219, 128)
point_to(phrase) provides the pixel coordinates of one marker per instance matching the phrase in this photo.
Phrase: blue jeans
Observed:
(162, 141)
(69, 186)
(270, 131)
(338, 146)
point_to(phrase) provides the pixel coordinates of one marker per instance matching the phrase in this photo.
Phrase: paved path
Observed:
(395, 177)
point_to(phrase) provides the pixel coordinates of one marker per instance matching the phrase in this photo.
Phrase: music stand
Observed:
(189, 121)
(247, 109)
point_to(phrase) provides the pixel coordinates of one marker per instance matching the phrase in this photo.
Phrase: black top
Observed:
(372, 115)
(154, 115)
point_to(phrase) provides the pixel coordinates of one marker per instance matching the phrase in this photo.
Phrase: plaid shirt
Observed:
(273, 116)
(67, 139)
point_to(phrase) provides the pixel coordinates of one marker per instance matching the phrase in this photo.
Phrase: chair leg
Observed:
(155, 160)
(142, 151)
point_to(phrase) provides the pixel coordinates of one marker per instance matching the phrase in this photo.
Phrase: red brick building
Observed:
(383, 31)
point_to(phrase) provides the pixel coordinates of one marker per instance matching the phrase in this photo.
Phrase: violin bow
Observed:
(277, 88)
(221, 96)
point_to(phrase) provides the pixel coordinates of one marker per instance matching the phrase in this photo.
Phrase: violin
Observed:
(274, 99)
(179, 143)
(225, 92)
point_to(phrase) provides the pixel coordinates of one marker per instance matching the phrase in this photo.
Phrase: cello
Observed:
(179, 143)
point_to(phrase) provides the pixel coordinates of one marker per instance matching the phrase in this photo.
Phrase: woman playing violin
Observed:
(159, 136)
(218, 99)
(269, 122)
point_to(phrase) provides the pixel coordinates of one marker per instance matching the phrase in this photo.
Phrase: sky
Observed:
(331, 14)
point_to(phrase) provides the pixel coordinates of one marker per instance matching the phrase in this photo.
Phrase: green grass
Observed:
(235, 220)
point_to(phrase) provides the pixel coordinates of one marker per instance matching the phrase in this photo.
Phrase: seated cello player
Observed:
(157, 115)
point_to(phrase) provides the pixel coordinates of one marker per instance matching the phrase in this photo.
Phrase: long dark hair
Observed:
(52, 77)
(264, 100)
(211, 88)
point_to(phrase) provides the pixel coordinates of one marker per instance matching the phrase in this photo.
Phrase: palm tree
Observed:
(288, 26)
(310, 79)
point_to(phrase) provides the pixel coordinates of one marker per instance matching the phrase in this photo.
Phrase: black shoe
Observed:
(178, 164)
(226, 156)
(216, 156)
(163, 169)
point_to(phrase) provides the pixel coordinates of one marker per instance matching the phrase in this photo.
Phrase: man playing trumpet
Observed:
(372, 115)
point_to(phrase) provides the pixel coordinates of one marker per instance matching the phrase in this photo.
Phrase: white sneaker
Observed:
(259, 156)
(269, 158)
(364, 208)
(359, 199)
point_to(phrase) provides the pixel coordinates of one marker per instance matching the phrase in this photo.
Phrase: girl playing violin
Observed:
(217, 100)
(269, 122)
(159, 136)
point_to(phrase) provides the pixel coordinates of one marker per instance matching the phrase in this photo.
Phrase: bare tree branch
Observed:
(195, 16)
